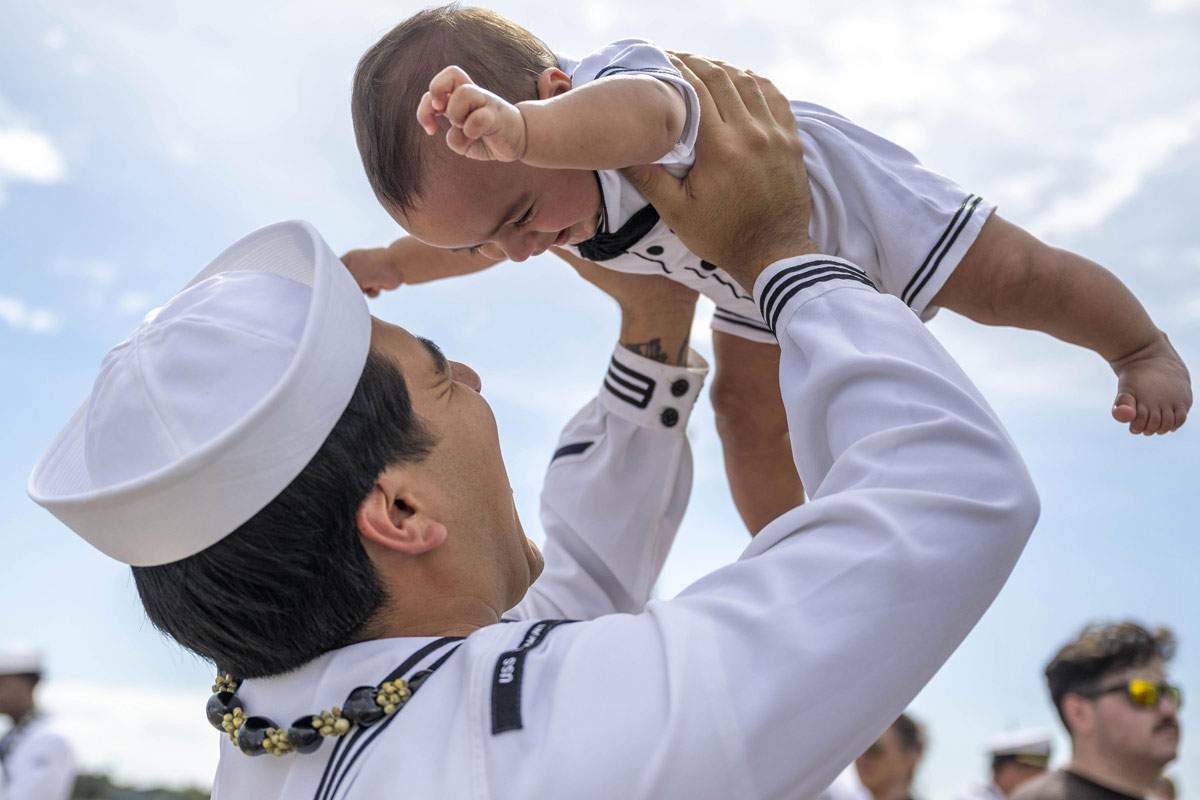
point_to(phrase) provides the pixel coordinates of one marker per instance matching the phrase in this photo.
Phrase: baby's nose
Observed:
(520, 247)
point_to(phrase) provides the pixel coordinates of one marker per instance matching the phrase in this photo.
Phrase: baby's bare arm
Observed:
(1008, 277)
(409, 260)
(419, 262)
(615, 122)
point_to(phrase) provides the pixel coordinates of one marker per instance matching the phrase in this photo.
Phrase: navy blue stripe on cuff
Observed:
(786, 283)
(629, 385)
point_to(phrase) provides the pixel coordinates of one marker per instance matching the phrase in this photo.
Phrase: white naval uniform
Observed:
(38, 762)
(873, 204)
(761, 680)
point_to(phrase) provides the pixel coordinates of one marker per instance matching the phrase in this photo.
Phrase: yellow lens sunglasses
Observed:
(1142, 693)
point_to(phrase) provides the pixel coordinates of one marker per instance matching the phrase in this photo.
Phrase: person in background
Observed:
(887, 768)
(1110, 687)
(1016, 758)
(36, 760)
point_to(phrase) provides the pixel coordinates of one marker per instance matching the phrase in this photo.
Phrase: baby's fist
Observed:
(483, 126)
(373, 269)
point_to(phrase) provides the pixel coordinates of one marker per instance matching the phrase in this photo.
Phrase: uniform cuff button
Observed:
(669, 417)
(679, 387)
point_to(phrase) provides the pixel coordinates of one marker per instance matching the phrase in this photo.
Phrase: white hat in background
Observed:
(1031, 746)
(214, 404)
(20, 660)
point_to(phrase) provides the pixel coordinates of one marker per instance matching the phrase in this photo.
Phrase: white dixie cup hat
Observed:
(214, 404)
(19, 659)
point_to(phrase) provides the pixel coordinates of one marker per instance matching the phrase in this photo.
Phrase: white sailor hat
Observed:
(214, 404)
(19, 660)
(1030, 746)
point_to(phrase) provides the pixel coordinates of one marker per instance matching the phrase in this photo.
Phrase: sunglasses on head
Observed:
(1142, 693)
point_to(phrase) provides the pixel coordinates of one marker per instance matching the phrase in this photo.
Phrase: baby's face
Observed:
(504, 210)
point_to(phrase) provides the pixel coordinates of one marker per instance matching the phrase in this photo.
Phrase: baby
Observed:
(485, 145)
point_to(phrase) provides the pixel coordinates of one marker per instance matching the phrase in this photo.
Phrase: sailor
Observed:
(36, 760)
(1015, 757)
(316, 502)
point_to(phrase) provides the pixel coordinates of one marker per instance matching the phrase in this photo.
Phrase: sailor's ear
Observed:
(552, 82)
(395, 515)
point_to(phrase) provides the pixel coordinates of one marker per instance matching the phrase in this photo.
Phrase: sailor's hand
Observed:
(746, 202)
(482, 125)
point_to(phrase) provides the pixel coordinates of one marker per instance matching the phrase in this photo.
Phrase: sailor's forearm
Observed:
(656, 313)
(663, 338)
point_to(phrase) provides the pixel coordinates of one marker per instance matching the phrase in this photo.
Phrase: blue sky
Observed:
(137, 139)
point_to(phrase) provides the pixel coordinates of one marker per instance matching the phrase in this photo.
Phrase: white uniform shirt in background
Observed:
(763, 679)
(848, 786)
(38, 763)
(873, 204)
(984, 791)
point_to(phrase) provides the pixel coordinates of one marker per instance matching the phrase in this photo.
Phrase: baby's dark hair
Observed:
(498, 54)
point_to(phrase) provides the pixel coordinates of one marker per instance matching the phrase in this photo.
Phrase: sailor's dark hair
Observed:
(294, 581)
(391, 77)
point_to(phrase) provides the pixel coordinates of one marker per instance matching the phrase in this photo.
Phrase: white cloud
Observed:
(183, 151)
(1189, 309)
(97, 273)
(27, 155)
(55, 39)
(1124, 157)
(21, 317)
(1020, 190)
(1017, 369)
(930, 51)
(96, 281)
(599, 17)
(1173, 6)
(537, 397)
(82, 66)
(137, 735)
(908, 133)
(135, 301)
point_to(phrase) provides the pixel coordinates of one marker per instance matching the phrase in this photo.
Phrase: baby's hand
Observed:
(374, 269)
(483, 125)
(1154, 389)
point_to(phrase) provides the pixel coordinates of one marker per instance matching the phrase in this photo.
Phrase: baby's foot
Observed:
(1154, 390)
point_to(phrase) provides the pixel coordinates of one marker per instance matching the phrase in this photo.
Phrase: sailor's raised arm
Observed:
(768, 676)
(619, 479)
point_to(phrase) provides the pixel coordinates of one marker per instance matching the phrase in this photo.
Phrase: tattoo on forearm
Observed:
(681, 357)
(653, 350)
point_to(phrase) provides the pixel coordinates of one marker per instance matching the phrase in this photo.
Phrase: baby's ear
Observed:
(552, 82)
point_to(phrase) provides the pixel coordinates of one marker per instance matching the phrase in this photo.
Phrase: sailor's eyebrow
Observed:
(435, 353)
